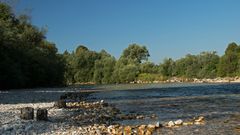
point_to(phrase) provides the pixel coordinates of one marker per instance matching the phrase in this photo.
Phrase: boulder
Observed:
(42, 114)
(27, 113)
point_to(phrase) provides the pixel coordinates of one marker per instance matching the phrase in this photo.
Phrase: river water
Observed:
(173, 101)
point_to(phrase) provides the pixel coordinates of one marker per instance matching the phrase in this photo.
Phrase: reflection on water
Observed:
(175, 101)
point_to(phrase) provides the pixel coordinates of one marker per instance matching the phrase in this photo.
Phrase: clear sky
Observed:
(168, 28)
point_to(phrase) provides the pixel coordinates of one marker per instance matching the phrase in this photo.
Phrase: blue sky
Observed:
(168, 28)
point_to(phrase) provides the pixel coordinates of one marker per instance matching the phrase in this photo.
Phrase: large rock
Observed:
(27, 113)
(42, 114)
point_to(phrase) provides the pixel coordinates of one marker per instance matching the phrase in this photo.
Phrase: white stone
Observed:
(158, 124)
(178, 122)
(171, 124)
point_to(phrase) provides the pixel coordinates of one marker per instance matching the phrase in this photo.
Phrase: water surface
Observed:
(174, 101)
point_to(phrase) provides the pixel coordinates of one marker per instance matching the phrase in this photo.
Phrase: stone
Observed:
(127, 130)
(27, 113)
(141, 130)
(199, 119)
(187, 123)
(60, 104)
(140, 117)
(199, 123)
(148, 132)
(151, 127)
(170, 124)
(178, 122)
(158, 124)
(42, 114)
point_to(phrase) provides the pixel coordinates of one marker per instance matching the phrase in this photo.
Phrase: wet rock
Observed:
(42, 114)
(27, 113)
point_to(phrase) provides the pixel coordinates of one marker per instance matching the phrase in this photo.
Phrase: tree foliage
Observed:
(27, 59)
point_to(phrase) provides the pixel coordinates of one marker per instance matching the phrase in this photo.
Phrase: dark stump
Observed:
(27, 113)
(60, 104)
(42, 114)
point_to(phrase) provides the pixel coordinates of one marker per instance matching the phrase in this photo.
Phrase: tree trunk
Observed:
(42, 114)
(27, 113)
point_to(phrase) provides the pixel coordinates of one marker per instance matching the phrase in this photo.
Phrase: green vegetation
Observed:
(27, 59)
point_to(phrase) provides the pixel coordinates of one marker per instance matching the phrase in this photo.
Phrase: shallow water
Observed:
(174, 101)
(168, 101)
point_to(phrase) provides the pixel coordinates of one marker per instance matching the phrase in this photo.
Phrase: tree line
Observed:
(28, 60)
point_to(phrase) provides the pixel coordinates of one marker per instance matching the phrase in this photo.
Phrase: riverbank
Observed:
(194, 80)
(92, 118)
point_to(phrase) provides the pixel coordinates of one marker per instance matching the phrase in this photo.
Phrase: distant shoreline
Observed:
(176, 80)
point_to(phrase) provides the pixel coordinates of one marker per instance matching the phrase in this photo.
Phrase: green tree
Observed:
(27, 59)
(83, 64)
(166, 68)
(208, 62)
(229, 62)
(136, 53)
(103, 68)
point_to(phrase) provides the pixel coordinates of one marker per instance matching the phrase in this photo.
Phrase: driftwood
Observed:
(27, 113)
(42, 114)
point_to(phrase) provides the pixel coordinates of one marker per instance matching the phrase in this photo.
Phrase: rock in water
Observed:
(42, 114)
(158, 125)
(27, 113)
(178, 122)
(199, 119)
(170, 124)
(60, 104)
